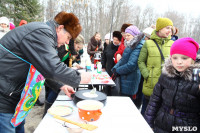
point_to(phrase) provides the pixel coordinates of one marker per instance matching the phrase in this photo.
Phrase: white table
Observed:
(99, 80)
(118, 116)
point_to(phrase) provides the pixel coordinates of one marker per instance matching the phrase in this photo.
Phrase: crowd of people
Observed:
(151, 66)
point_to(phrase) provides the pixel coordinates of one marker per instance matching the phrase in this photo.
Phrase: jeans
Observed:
(139, 94)
(50, 95)
(6, 127)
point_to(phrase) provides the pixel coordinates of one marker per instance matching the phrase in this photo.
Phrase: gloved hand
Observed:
(115, 74)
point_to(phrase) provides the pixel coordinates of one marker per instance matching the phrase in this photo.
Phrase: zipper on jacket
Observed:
(152, 77)
(11, 93)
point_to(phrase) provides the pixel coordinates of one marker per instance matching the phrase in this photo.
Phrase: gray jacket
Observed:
(36, 43)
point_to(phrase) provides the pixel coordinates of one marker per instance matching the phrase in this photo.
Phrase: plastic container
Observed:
(99, 67)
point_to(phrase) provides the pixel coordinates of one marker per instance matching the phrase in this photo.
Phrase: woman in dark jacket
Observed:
(175, 103)
(94, 46)
(107, 60)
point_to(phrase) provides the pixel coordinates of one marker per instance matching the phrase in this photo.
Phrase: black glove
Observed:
(115, 74)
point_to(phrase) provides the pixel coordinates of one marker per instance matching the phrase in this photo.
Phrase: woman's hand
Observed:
(118, 57)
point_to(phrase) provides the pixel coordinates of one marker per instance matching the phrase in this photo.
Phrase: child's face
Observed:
(181, 62)
(4, 26)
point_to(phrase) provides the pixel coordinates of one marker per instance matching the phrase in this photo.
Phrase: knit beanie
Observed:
(147, 32)
(107, 36)
(185, 46)
(163, 22)
(12, 26)
(118, 35)
(4, 20)
(133, 30)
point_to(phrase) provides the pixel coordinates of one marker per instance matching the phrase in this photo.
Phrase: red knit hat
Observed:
(185, 46)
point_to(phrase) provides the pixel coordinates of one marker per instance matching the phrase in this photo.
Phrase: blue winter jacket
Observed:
(127, 67)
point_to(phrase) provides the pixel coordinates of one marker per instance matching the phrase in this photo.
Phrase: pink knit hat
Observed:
(185, 46)
(12, 26)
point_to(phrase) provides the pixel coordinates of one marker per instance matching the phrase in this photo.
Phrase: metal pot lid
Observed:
(85, 94)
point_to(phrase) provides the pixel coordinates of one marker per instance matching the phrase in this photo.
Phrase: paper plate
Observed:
(60, 110)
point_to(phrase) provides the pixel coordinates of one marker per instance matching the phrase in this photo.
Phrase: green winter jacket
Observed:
(150, 61)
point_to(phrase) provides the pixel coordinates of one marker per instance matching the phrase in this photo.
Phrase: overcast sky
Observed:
(191, 7)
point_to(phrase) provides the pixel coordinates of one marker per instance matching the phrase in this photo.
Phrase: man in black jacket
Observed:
(36, 43)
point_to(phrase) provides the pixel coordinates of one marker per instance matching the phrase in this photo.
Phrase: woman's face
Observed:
(116, 41)
(129, 37)
(97, 37)
(78, 46)
(107, 41)
(181, 62)
(123, 34)
(165, 32)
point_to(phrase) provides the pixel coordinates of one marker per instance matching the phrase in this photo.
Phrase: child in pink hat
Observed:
(175, 104)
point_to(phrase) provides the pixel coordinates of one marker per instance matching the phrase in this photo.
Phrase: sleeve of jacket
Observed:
(142, 61)
(131, 64)
(39, 48)
(54, 85)
(154, 104)
(116, 65)
(119, 51)
(103, 59)
(100, 49)
(89, 49)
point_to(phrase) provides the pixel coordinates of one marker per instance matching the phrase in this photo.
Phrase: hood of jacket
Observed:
(135, 41)
(170, 71)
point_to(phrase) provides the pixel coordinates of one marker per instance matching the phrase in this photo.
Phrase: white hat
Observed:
(148, 31)
(4, 20)
(107, 36)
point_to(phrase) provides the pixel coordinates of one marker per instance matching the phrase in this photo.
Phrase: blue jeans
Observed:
(6, 127)
(50, 95)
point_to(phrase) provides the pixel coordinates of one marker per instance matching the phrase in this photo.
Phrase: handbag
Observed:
(162, 57)
(29, 95)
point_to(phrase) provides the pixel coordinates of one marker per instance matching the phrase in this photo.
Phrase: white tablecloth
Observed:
(118, 116)
(99, 78)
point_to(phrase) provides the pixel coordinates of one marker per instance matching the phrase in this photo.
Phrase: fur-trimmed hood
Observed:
(135, 41)
(170, 71)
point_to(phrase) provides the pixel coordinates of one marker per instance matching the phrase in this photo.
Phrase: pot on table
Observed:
(86, 95)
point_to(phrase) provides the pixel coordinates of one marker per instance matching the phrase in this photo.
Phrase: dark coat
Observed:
(35, 42)
(92, 45)
(175, 100)
(107, 60)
